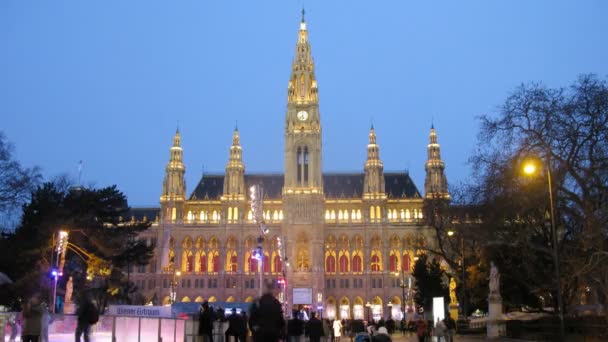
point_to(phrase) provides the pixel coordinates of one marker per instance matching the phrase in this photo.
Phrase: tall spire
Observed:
(174, 185)
(302, 86)
(234, 180)
(373, 186)
(435, 183)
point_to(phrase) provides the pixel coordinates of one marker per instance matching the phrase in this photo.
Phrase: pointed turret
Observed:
(373, 186)
(302, 83)
(435, 183)
(174, 185)
(234, 181)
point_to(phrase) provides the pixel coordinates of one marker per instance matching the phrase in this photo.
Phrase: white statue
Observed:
(494, 279)
(69, 288)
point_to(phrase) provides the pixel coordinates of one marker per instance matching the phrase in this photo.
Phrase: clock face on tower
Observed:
(302, 115)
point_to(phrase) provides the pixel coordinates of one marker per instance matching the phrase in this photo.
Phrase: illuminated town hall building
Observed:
(341, 240)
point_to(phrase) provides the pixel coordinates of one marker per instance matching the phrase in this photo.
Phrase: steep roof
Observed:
(335, 185)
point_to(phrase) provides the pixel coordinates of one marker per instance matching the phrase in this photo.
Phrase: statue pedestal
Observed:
(454, 311)
(494, 315)
(69, 308)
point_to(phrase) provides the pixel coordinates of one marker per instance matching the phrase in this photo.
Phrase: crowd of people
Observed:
(35, 317)
(265, 322)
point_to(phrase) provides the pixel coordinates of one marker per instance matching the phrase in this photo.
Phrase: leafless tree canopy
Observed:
(16, 181)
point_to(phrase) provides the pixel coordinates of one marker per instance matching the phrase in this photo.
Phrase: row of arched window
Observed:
(204, 257)
(232, 216)
(353, 263)
(375, 215)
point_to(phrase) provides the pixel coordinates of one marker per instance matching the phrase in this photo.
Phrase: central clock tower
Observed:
(303, 123)
(303, 198)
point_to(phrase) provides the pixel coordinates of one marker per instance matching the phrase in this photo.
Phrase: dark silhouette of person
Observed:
(314, 328)
(87, 314)
(205, 322)
(32, 319)
(234, 326)
(266, 317)
(295, 327)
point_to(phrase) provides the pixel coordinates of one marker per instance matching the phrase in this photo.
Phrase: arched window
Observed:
(300, 162)
(357, 264)
(378, 215)
(306, 165)
(201, 262)
(340, 215)
(189, 215)
(358, 214)
(392, 263)
(406, 262)
(333, 215)
(277, 265)
(345, 215)
(343, 264)
(229, 214)
(253, 265)
(266, 263)
(407, 214)
(327, 215)
(353, 215)
(372, 214)
(214, 216)
(187, 261)
(216, 263)
(375, 263)
(235, 214)
(330, 264)
(275, 216)
(281, 215)
(232, 262)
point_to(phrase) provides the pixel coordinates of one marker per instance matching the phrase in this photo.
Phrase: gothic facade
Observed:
(338, 241)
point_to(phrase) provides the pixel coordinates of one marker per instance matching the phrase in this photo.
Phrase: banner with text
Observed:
(140, 311)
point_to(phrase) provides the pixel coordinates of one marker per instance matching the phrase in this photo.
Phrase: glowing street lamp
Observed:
(530, 168)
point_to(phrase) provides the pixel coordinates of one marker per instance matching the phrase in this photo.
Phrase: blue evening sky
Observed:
(107, 81)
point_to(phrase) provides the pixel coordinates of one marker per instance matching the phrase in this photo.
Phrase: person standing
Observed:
(205, 323)
(234, 322)
(314, 328)
(451, 328)
(32, 319)
(87, 315)
(295, 327)
(266, 317)
(337, 330)
(440, 330)
(47, 319)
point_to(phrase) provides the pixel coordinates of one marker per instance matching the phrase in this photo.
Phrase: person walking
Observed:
(87, 315)
(421, 329)
(337, 330)
(205, 323)
(32, 319)
(266, 317)
(314, 328)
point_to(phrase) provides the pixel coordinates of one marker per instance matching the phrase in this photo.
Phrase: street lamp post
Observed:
(530, 168)
(402, 293)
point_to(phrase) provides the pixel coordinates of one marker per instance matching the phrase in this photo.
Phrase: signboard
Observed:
(302, 295)
(438, 309)
(139, 311)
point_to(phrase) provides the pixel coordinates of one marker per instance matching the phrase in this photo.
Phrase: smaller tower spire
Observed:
(373, 186)
(435, 183)
(174, 186)
(234, 180)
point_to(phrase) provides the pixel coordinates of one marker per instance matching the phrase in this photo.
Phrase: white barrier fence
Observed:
(109, 329)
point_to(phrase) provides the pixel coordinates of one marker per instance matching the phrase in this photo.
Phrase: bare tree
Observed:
(16, 181)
